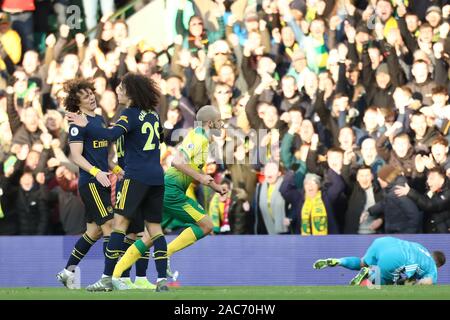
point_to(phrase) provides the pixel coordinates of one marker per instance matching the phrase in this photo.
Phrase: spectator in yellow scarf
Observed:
(311, 208)
(313, 214)
(384, 10)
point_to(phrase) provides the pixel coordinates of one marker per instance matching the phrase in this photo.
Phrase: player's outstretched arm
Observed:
(76, 149)
(110, 134)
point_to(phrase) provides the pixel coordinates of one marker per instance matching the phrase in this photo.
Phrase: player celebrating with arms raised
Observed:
(186, 167)
(143, 185)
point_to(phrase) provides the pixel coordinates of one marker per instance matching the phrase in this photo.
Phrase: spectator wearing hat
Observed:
(433, 16)
(378, 84)
(435, 203)
(311, 210)
(299, 68)
(223, 67)
(420, 8)
(400, 215)
(373, 57)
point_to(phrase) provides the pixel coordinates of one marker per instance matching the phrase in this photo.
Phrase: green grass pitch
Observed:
(240, 293)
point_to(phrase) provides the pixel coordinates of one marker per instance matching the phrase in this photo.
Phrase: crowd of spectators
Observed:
(336, 113)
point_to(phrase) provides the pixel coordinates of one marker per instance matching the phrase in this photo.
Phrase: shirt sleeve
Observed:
(121, 127)
(76, 134)
(125, 120)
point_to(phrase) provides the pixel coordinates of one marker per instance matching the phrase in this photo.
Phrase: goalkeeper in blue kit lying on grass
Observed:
(397, 261)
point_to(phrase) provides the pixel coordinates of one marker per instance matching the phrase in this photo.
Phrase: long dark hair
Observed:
(143, 92)
(73, 88)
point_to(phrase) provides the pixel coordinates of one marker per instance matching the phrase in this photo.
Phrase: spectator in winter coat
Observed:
(31, 207)
(312, 211)
(422, 85)
(402, 154)
(8, 215)
(400, 215)
(435, 204)
(423, 135)
(364, 195)
(269, 205)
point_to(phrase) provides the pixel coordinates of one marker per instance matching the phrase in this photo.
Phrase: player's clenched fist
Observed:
(205, 179)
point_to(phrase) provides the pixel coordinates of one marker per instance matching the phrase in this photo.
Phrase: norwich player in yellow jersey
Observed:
(186, 167)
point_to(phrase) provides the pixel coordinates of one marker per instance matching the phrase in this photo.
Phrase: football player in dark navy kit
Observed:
(135, 232)
(91, 155)
(142, 189)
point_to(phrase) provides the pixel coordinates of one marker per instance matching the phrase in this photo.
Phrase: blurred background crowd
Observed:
(352, 97)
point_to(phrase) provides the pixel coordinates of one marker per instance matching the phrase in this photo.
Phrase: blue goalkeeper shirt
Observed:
(397, 257)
